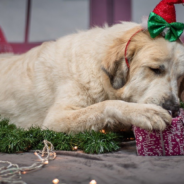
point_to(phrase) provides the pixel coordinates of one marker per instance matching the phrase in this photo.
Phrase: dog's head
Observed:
(155, 66)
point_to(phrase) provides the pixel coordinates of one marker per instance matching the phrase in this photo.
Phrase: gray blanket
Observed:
(119, 167)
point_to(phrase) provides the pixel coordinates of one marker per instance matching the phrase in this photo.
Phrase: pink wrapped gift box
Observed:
(170, 142)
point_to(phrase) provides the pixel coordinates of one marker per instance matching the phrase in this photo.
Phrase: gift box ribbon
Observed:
(162, 143)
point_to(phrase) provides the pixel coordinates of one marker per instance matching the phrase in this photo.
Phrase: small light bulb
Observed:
(55, 181)
(93, 182)
(75, 147)
(54, 155)
(103, 131)
(23, 172)
(46, 162)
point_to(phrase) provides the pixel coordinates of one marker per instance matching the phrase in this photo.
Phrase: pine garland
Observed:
(182, 104)
(13, 139)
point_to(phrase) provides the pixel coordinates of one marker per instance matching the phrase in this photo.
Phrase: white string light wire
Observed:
(11, 174)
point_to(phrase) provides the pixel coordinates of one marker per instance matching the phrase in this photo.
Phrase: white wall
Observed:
(50, 19)
(12, 19)
(55, 18)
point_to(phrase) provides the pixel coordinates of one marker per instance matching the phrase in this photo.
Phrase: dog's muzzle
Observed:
(173, 108)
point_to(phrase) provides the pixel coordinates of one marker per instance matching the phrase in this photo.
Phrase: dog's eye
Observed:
(156, 70)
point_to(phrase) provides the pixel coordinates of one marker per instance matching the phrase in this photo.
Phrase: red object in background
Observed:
(19, 48)
(5, 47)
(16, 48)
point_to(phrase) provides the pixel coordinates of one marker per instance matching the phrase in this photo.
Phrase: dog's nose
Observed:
(172, 107)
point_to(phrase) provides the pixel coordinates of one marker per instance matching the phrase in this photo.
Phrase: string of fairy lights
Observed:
(11, 173)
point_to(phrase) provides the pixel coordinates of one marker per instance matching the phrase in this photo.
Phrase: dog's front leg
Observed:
(107, 113)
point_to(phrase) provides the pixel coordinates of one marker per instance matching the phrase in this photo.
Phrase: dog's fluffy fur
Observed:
(81, 82)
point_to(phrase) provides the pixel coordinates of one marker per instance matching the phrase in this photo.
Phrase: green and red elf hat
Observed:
(163, 21)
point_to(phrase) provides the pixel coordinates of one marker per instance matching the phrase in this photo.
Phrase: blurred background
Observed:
(27, 23)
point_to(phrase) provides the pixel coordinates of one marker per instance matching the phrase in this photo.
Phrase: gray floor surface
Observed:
(123, 166)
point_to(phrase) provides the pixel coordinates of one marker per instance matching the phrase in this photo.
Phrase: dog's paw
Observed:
(151, 117)
(146, 116)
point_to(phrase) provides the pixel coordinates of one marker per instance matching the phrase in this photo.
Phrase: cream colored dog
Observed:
(81, 82)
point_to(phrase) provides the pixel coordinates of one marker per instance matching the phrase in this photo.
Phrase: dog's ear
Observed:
(114, 64)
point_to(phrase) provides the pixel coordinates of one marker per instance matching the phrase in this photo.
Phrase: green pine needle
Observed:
(182, 104)
(13, 139)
